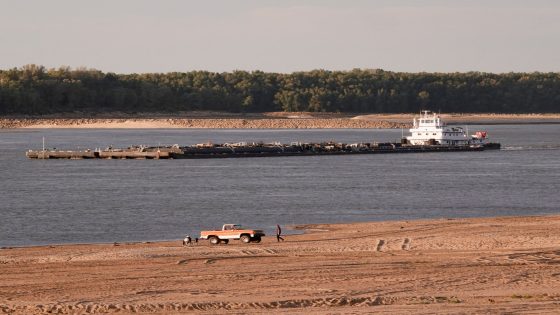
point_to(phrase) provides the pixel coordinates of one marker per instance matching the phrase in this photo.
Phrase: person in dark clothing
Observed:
(279, 233)
(187, 240)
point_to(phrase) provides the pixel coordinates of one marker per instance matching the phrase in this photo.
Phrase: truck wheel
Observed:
(214, 240)
(245, 238)
(225, 241)
(257, 239)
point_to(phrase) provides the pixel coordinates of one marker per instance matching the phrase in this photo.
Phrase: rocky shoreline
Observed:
(222, 123)
(271, 120)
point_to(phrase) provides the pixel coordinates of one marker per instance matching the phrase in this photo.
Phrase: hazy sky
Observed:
(282, 35)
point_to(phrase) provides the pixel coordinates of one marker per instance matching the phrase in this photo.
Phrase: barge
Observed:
(429, 134)
(250, 150)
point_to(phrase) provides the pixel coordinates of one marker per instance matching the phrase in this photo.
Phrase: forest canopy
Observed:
(35, 90)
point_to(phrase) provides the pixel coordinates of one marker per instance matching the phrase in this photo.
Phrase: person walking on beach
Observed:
(279, 233)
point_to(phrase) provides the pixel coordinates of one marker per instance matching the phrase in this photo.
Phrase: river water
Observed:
(75, 201)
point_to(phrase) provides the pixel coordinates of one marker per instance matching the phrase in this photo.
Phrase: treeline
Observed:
(34, 90)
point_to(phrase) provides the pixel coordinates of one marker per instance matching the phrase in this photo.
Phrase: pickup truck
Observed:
(232, 232)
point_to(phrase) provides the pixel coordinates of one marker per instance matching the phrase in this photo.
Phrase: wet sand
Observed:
(485, 265)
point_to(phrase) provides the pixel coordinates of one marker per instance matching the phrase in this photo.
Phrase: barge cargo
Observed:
(253, 150)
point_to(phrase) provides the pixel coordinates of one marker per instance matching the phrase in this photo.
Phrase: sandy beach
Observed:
(272, 120)
(484, 265)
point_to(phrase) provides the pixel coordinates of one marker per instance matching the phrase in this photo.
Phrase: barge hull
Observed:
(206, 154)
(420, 149)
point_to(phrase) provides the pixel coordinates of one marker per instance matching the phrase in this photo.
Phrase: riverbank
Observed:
(274, 120)
(206, 123)
(495, 265)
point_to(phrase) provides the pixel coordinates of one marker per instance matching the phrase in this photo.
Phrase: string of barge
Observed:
(429, 134)
(204, 151)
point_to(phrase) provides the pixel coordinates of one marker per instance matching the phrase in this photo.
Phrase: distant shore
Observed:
(479, 265)
(273, 120)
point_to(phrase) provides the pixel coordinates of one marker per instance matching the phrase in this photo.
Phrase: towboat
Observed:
(429, 129)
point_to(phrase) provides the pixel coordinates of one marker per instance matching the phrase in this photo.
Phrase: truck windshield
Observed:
(233, 227)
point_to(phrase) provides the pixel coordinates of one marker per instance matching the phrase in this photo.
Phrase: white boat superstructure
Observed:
(429, 129)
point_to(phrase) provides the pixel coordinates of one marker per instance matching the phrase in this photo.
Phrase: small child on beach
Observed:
(187, 240)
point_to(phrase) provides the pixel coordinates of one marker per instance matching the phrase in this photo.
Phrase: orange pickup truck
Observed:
(232, 232)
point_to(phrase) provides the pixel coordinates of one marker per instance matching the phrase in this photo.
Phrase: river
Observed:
(89, 201)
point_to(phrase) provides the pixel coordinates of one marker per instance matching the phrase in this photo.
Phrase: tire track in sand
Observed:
(379, 245)
(87, 308)
(406, 244)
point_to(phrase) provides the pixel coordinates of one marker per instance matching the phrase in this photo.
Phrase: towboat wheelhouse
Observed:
(428, 129)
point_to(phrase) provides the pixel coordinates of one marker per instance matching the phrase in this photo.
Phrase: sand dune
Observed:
(495, 265)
